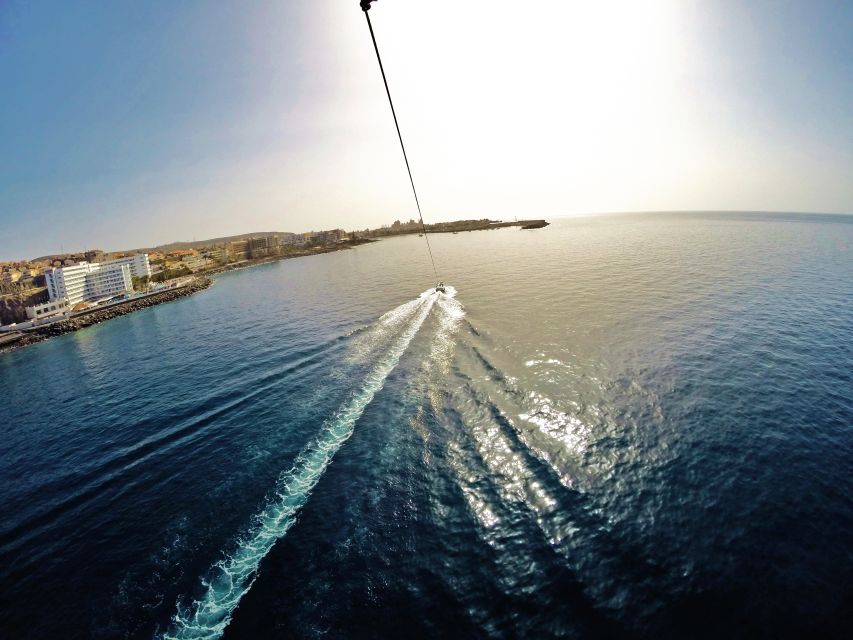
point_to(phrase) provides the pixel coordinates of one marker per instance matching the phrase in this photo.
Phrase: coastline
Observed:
(22, 339)
(15, 340)
(458, 226)
(288, 256)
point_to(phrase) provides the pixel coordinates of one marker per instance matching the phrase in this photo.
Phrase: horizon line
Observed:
(567, 215)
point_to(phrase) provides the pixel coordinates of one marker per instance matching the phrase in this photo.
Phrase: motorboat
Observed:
(440, 288)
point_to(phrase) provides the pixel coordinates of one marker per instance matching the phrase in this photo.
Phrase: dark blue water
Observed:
(626, 426)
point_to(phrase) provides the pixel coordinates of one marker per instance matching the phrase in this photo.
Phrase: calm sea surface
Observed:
(623, 426)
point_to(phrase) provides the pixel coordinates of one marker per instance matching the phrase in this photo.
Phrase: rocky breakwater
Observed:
(96, 316)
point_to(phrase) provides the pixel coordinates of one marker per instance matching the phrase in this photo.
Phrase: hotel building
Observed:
(138, 263)
(88, 281)
(238, 250)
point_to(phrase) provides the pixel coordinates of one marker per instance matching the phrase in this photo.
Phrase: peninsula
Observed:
(484, 224)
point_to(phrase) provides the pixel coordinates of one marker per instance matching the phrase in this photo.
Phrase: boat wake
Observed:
(231, 578)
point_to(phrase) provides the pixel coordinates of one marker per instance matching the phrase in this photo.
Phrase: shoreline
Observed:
(463, 225)
(236, 266)
(13, 341)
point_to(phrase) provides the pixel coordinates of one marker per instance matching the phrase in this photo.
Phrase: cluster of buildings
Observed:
(75, 281)
(90, 281)
(324, 237)
(27, 274)
(274, 244)
(253, 248)
(186, 260)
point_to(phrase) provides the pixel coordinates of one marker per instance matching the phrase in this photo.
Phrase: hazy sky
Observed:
(127, 123)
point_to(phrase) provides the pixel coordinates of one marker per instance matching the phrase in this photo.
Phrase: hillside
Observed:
(195, 244)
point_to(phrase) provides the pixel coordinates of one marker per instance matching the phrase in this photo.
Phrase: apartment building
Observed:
(216, 254)
(196, 263)
(238, 250)
(263, 246)
(87, 281)
(138, 263)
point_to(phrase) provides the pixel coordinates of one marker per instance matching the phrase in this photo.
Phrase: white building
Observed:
(196, 263)
(88, 281)
(48, 309)
(138, 263)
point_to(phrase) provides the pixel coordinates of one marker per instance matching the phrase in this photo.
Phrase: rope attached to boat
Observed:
(365, 6)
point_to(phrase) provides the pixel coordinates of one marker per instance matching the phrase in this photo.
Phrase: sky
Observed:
(127, 124)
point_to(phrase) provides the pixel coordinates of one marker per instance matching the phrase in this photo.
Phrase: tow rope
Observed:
(365, 7)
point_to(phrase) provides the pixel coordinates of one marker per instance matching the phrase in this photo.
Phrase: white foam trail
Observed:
(232, 577)
(365, 343)
(436, 367)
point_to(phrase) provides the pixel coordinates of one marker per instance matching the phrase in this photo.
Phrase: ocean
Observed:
(634, 426)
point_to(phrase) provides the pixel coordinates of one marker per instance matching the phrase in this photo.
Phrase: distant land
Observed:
(184, 244)
(24, 288)
(396, 228)
(197, 244)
